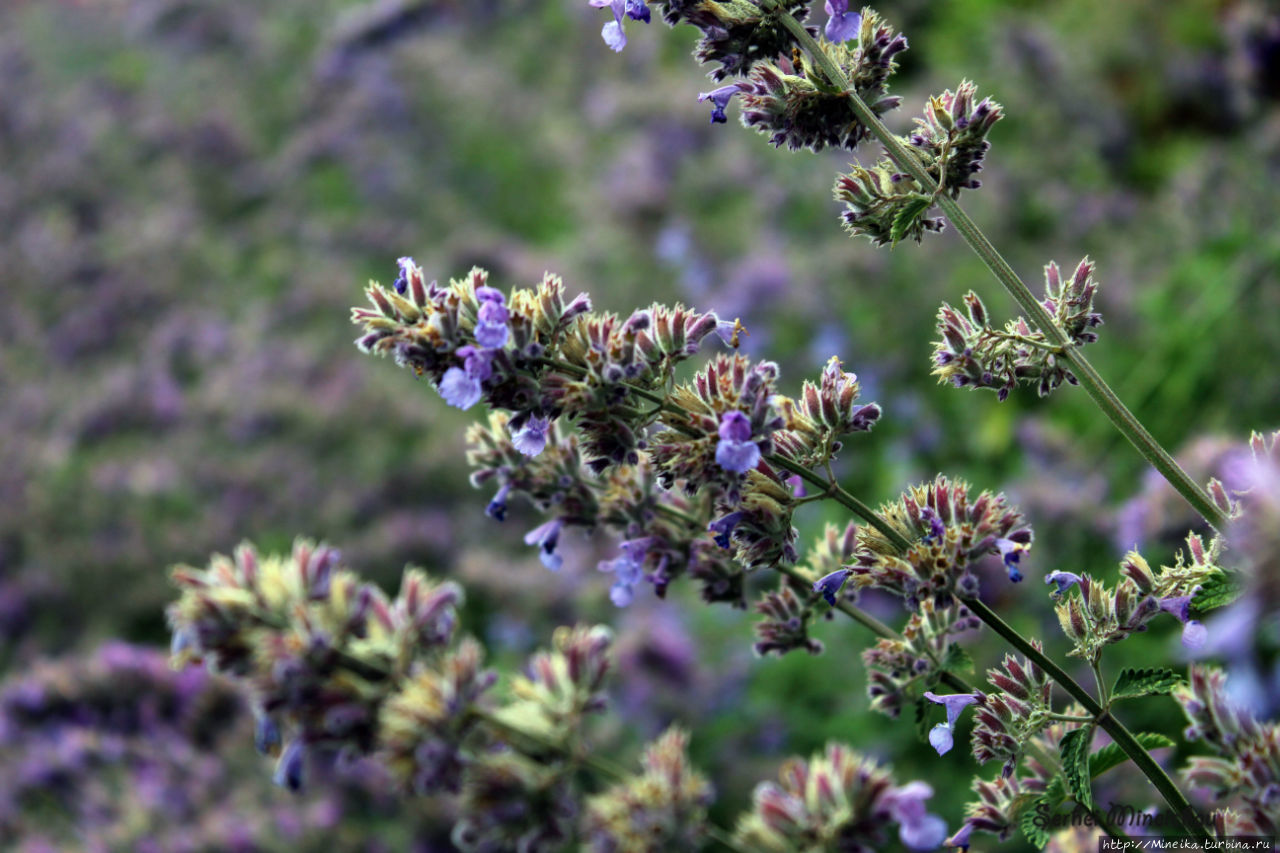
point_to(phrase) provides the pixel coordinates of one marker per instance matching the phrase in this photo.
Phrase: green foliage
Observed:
(1075, 764)
(1132, 683)
(1219, 590)
(1112, 755)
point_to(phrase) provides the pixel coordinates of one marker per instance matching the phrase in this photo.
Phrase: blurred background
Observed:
(192, 194)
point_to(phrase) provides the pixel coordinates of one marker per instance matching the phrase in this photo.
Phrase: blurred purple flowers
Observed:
(613, 33)
(547, 537)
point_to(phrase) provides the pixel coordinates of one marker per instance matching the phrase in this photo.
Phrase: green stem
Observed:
(1094, 385)
(1122, 736)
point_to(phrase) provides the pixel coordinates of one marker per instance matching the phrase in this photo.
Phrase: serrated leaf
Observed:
(1218, 590)
(911, 210)
(1144, 682)
(1075, 764)
(1037, 835)
(1112, 755)
(957, 659)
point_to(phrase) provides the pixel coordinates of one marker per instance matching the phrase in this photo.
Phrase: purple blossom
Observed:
(961, 838)
(723, 528)
(1194, 634)
(830, 585)
(843, 24)
(460, 386)
(628, 569)
(613, 33)
(1064, 580)
(937, 530)
(546, 537)
(719, 99)
(497, 508)
(1011, 552)
(941, 737)
(736, 452)
(918, 829)
(290, 767)
(402, 281)
(491, 328)
(531, 438)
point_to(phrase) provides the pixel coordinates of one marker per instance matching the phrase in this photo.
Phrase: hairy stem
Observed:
(1093, 383)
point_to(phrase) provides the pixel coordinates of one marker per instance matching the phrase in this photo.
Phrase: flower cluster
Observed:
(843, 799)
(974, 354)
(664, 807)
(1100, 616)
(789, 611)
(737, 34)
(951, 139)
(926, 649)
(1244, 772)
(948, 533)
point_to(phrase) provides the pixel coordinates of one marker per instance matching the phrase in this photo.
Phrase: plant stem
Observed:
(1094, 385)
(1122, 736)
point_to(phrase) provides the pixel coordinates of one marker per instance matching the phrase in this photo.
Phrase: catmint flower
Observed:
(719, 99)
(918, 829)
(961, 838)
(843, 25)
(290, 767)
(736, 451)
(613, 33)
(266, 734)
(530, 438)
(406, 266)
(1011, 552)
(628, 569)
(460, 386)
(1194, 634)
(830, 585)
(491, 328)
(723, 528)
(546, 537)
(941, 736)
(497, 508)
(1064, 580)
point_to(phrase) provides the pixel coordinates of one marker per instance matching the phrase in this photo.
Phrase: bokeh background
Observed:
(192, 194)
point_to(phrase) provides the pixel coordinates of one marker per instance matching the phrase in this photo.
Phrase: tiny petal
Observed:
(719, 99)
(614, 36)
(1064, 580)
(737, 457)
(637, 10)
(497, 508)
(290, 767)
(546, 537)
(925, 833)
(459, 389)
(621, 594)
(1194, 635)
(961, 838)
(954, 703)
(941, 739)
(735, 426)
(843, 24)
(723, 528)
(830, 585)
(531, 438)
(402, 281)
(1178, 607)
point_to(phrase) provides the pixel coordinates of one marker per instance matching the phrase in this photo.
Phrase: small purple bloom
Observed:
(290, 767)
(918, 829)
(497, 508)
(831, 584)
(719, 99)
(402, 281)
(547, 537)
(637, 10)
(491, 330)
(937, 530)
(941, 737)
(628, 569)
(1064, 580)
(613, 34)
(1194, 634)
(796, 482)
(1011, 552)
(460, 386)
(531, 438)
(736, 452)
(961, 838)
(843, 24)
(723, 528)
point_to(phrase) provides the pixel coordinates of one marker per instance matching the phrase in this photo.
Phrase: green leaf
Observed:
(1144, 682)
(1218, 590)
(1112, 755)
(912, 208)
(1028, 811)
(957, 659)
(1075, 764)
(1027, 821)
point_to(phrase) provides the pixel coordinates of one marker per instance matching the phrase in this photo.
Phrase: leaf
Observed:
(1218, 590)
(1075, 764)
(1112, 755)
(913, 207)
(1144, 682)
(1030, 811)
(957, 659)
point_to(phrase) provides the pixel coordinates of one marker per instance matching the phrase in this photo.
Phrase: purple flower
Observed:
(402, 281)
(531, 438)
(1194, 634)
(830, 585)
(1011, 552)
(290, 767)
(843, 24)
(491, 328)
(460, 386)
(719, 99)
(736, 451)
(961, 838)
(918, 829)
(937, 530)
(723, 528)
(628, 569)
(266, 734)
(546, 537)
(1064, 580)
(941, 736)
(613, 34)
(497, 508)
